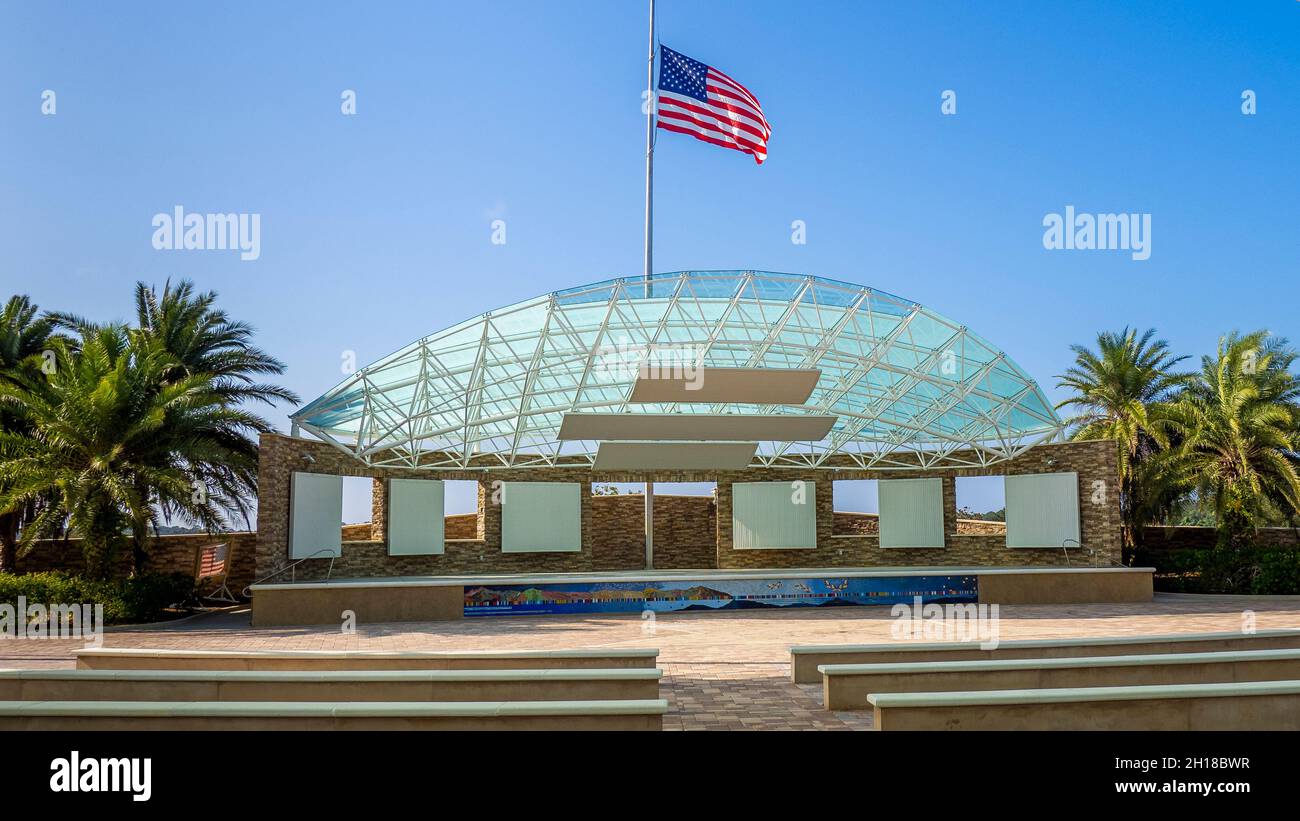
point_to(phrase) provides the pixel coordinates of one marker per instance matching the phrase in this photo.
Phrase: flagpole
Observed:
(649, 257)
(650, 154)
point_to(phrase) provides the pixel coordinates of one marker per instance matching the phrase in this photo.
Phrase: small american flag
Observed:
(212, 561)
(703, 102)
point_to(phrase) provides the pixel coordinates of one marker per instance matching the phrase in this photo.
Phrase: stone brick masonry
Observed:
(868, 524)
(1094, 462)
(176, 553)
(685, 530)
(690, 532)
(1158, 538)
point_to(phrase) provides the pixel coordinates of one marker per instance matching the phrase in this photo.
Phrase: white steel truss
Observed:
(912, 389)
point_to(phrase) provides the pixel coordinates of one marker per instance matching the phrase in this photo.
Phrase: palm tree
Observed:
(201, 341)
(24, 338)
(1122, 393)
(1240, 422)
(107, 424)
(204, 340)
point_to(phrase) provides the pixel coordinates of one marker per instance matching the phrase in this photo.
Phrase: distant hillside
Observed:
(177, 530)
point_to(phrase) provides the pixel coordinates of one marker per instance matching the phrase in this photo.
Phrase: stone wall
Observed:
(461, 526)
(685, 532)
(690, 532)
(855, 524)
(962, 550)
(868, 524)
(1157, 537)
(981, 527)
(1099, 522)
(358, 532)
(280, 456)
(177, 553)
(1165, 549)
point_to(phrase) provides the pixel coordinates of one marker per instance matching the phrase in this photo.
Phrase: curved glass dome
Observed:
(908, 388)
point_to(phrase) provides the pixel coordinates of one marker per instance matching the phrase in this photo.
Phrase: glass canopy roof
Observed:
(910, 388)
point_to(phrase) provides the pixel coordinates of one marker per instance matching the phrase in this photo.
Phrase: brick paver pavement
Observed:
(721, 670)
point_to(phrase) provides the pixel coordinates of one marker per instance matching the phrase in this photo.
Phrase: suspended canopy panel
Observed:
(909, 388)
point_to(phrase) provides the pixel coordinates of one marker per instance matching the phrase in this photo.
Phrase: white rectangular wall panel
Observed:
(541, 517)
(416, 526)
(773, 515)
(911, 512)
(315, 515)
(1043, 510)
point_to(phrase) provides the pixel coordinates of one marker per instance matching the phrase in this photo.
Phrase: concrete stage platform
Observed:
(442, 598)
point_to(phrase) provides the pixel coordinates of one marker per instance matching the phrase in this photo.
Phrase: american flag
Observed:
(212, 561)
(703, 102)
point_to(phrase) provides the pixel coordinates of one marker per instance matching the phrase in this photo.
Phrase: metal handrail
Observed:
(1065, 551)
(1090, 551)
(326, 550)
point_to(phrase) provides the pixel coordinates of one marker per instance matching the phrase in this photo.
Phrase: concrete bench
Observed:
(106, 658)
(804, 660)
(848, 686)
(1254, 705)
(79, 716)
(329, 685)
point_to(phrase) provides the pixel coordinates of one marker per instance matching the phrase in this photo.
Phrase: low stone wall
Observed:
(963, 550)
(358, 532)
(1156, 537)
(981, 527)
(461, 526)
(868, 524)
(457, 526)
(1166, 549)
(176, 553)
(856, 524)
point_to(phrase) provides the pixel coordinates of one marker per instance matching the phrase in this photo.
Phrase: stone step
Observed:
(1257, 705)
(113, 658)
(329, 685)
(849, 686)
(804, 660)
(80, 716)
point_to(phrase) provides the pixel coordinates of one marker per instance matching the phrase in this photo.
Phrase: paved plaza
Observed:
(721, 670)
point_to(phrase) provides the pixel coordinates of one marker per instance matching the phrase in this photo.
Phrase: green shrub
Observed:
(1261, 571)
(1279, 573)
(1225, 570)
(144, 598)
(138, 599)
(1177, 571)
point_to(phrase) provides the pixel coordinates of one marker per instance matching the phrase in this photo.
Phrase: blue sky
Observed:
(376, 227)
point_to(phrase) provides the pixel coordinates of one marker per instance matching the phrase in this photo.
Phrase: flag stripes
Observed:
(702, 102)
